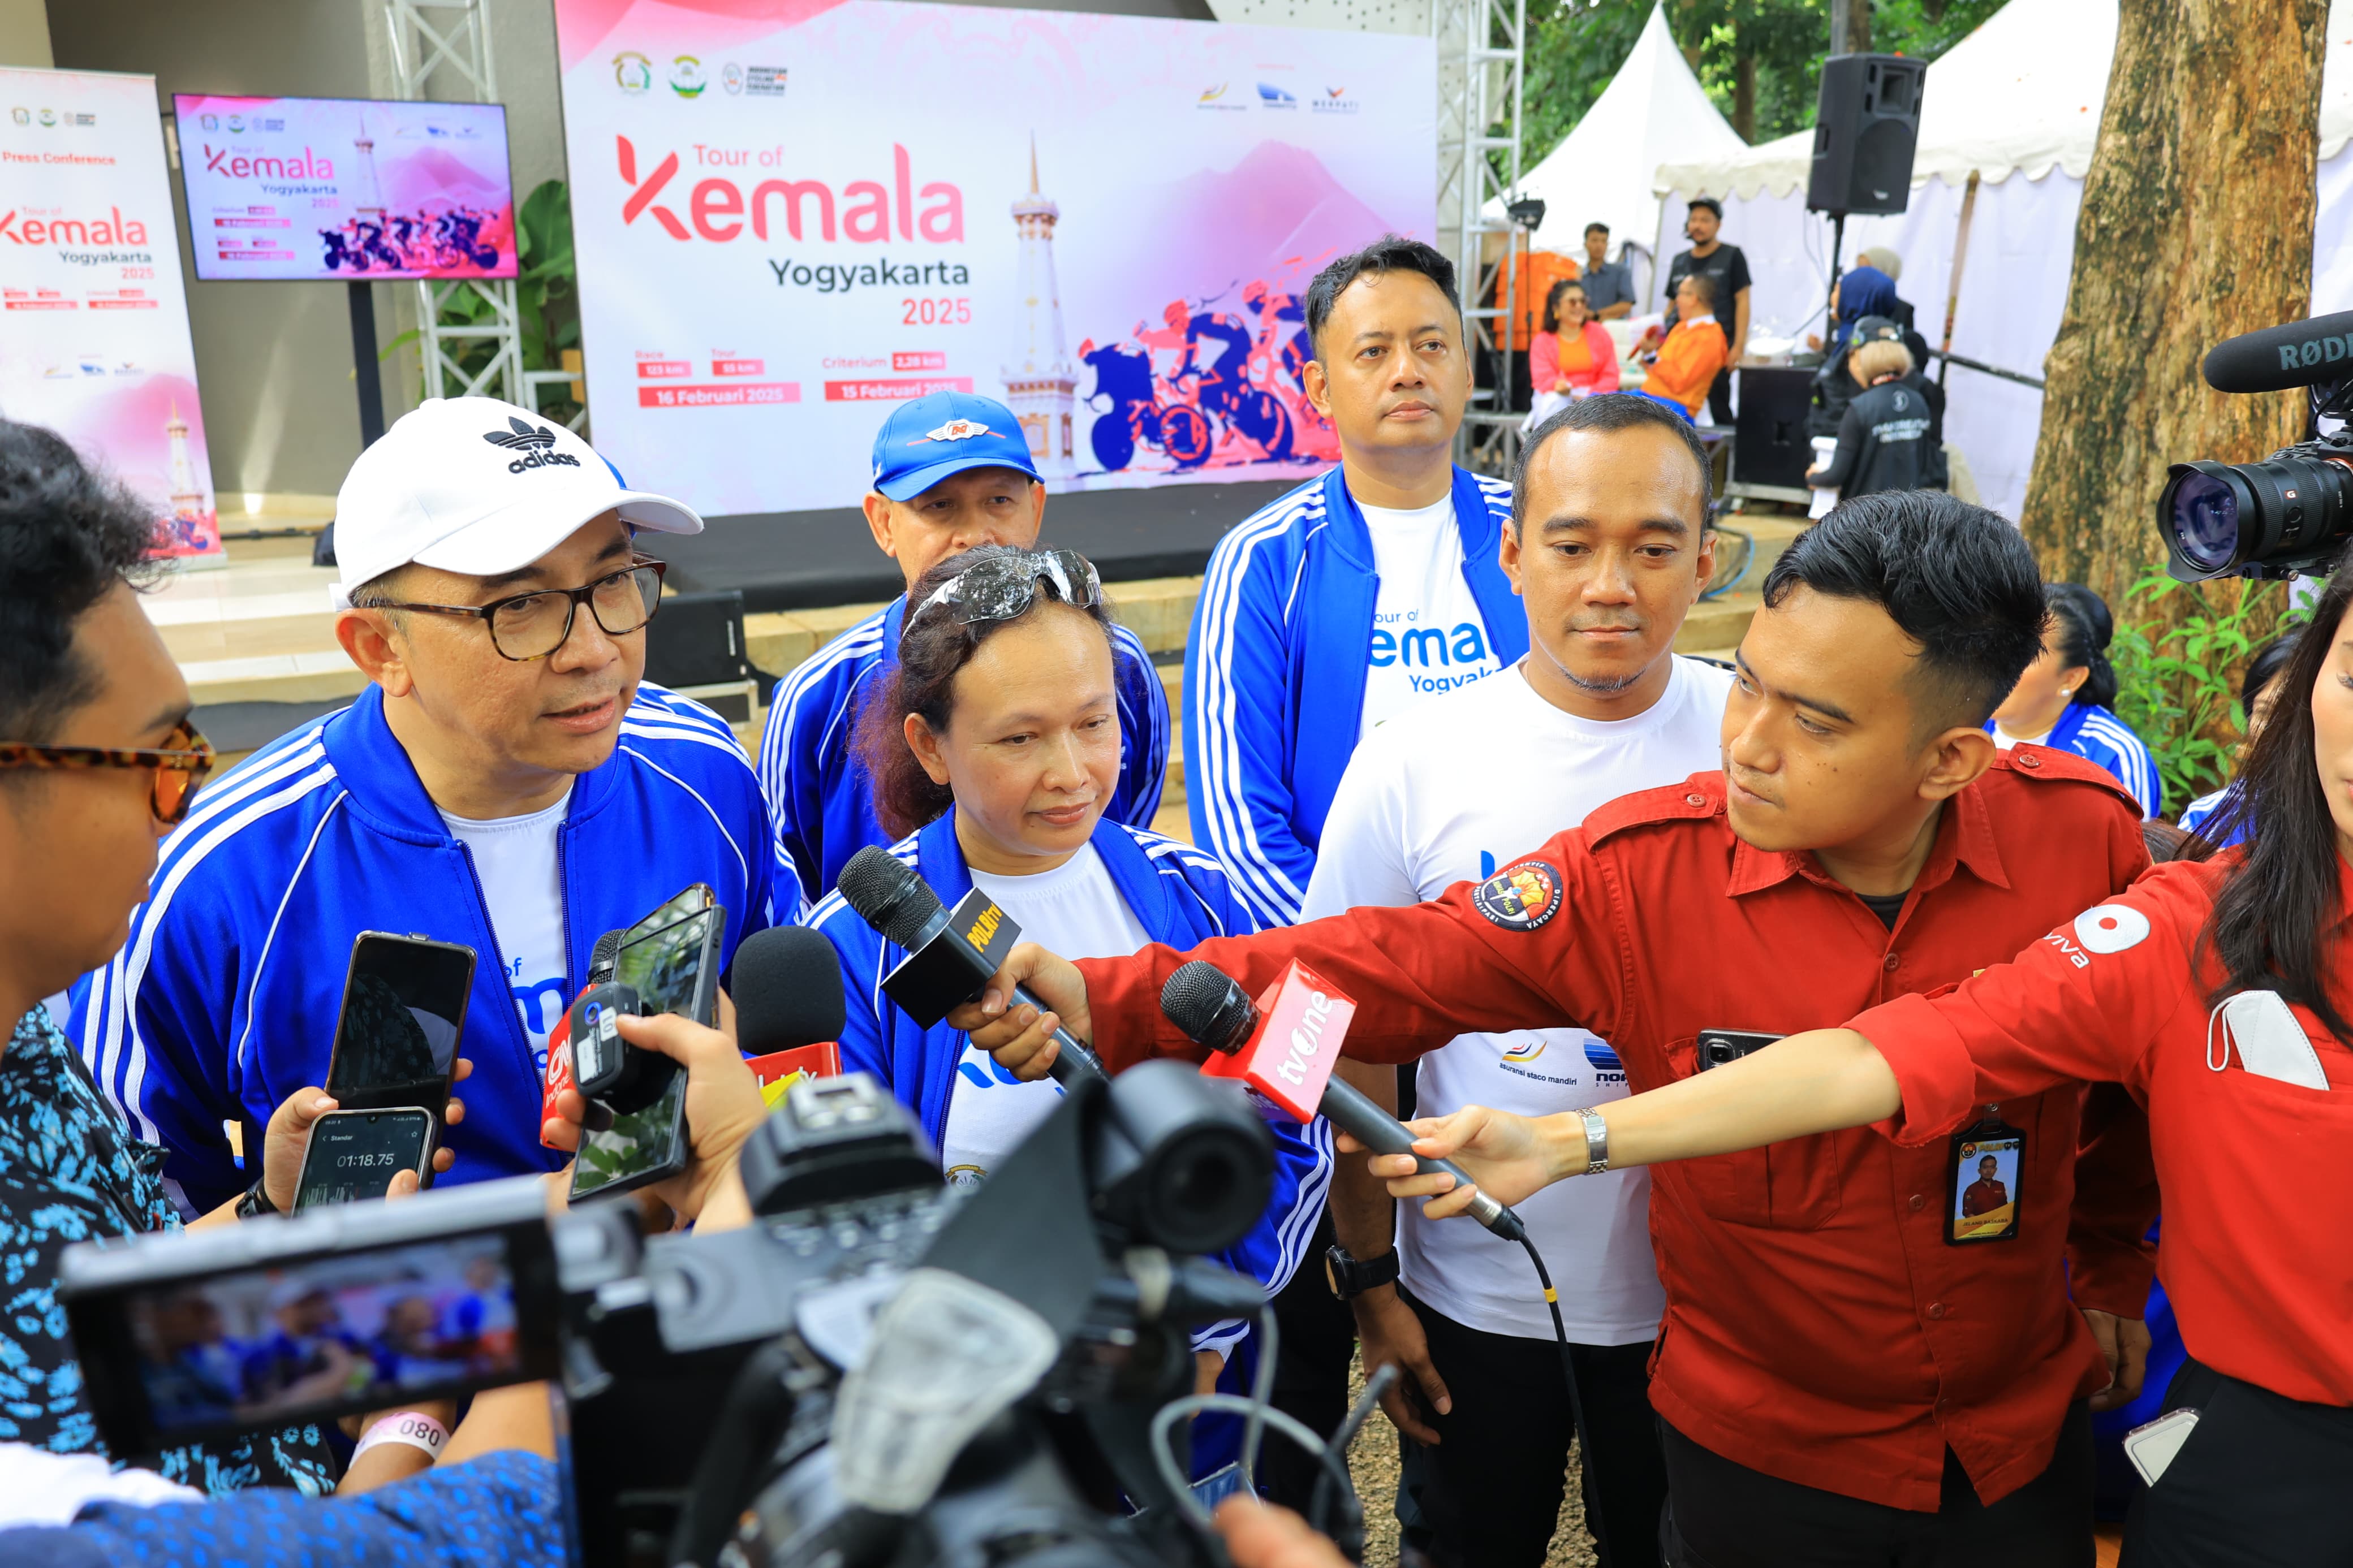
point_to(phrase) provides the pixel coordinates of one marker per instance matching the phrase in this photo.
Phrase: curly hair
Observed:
(67, 535)
(932, 649)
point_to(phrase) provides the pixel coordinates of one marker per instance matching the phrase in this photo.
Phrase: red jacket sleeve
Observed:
(2084, 1005)
(1420, 974)
(2110, 1259)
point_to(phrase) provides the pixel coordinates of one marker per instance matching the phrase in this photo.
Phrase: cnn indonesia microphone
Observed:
(951, 953)
(1284, 1045)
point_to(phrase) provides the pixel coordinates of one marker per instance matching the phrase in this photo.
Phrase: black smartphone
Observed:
(403, 1011)
(354, 1154)
(673, 969)
(192, 1335)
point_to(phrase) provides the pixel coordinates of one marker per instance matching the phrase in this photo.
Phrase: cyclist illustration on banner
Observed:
(1207, 388)
(449, 242)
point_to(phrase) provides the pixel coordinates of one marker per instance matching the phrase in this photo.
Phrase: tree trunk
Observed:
(1744, 89)
(2196, 225)
(1858, 26)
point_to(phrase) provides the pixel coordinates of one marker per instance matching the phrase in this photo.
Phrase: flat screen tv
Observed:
(358, 189)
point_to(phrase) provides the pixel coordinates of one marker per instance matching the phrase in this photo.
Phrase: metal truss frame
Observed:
(1481, 57)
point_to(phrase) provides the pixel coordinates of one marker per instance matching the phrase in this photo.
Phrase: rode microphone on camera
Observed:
(951, 953)
(1284, 1045)
(2300, 353)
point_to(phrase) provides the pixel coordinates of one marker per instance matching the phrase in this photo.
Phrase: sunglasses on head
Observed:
(1001, 587)
(180, 766)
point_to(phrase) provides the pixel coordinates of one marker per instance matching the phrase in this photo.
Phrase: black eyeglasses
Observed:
(534, 625)
(179, 768)
(1003, 587)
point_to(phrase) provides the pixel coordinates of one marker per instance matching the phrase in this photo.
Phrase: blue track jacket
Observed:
(224, 999)
(2097, 735)
(1274, 673)
(820, 800)
(1181, 897)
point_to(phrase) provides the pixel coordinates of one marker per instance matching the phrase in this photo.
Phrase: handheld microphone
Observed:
(605, 955)
(1284, 1045)
(2300, 353)
(951, 953)
(787, 988)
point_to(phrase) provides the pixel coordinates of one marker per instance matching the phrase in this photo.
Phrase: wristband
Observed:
(413, 1428)
(1596, 1142)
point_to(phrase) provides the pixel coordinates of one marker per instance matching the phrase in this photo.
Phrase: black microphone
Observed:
(787, 988)
(2300, 353)
(951, 953)
(1214, 1011)
(603, 957)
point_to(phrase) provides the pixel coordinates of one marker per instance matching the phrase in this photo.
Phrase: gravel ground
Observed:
(1373, 1462)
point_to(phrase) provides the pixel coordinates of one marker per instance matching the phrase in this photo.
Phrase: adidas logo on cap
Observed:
(536, 443)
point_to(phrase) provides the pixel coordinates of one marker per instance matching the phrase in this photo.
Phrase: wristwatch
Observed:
(1351, 1278)
(256, 1202)
(1596, 1142)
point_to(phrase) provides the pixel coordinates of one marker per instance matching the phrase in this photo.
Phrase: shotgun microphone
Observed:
(951, 953)
(1284, 1045)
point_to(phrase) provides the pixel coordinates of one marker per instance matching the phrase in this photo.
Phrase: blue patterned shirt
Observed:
(71, 1171)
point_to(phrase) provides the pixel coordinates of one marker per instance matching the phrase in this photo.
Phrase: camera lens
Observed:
(2286, 512)
(2202, 517)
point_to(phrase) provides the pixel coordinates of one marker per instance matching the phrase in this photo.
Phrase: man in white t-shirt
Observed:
(1360, 594)
(1608, 548)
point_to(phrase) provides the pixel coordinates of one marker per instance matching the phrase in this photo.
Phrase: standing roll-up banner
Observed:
(94, 341)
(791, 214)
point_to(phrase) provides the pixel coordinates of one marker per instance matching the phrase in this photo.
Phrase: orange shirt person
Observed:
(1685, 364)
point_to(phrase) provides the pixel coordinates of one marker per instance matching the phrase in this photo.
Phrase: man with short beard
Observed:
(1609, 549)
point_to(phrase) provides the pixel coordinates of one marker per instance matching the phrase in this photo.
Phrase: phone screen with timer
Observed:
(354, 1155)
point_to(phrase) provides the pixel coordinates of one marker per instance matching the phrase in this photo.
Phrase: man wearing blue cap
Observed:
(951, 471)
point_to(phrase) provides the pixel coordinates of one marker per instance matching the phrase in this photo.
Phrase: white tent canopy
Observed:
(1653, 112)
(2021, 95)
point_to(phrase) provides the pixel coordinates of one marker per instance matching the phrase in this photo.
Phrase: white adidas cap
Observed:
(480, 487)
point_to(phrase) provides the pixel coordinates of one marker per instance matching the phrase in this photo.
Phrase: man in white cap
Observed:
(506, 781)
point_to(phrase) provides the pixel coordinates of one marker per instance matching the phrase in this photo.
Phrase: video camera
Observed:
(878, 1371)
(2290, 513)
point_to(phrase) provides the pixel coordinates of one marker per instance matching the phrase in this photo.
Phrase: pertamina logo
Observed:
(953, 430)
(536, 443)
(864, 214)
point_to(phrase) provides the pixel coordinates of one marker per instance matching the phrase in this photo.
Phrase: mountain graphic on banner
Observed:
(1279, 204)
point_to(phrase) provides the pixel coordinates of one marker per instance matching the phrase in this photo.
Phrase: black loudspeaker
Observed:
(1770, 442)
(1865, 125)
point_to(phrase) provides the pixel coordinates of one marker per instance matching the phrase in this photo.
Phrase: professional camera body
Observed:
(880, 1370)
(2289, 514)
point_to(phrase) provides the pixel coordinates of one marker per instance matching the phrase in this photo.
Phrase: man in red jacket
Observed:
(1845, 1374)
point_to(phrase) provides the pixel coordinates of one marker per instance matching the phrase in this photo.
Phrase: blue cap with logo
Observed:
(945, 433)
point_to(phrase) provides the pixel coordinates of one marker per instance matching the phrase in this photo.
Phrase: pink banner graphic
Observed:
(1117, 250)
(94, 339)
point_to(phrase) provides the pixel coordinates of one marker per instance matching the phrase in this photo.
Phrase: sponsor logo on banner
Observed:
(49, 117)
(764, 81)
(632, 72)
(1333, 101)
(1272, 97)
(686, 77)
(1519, 898)
(236, 122)
(1214, 97)
(731, 77)
(21, 116)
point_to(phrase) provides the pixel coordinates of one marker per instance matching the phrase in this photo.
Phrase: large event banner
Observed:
(791, 214)
(93, 317)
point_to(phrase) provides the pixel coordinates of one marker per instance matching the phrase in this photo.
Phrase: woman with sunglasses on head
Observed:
(1574, 356)
(994, 749)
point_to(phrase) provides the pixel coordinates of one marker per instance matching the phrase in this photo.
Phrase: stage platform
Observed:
(808, 560)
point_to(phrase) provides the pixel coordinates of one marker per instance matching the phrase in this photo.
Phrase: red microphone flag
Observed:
(1289, 1058)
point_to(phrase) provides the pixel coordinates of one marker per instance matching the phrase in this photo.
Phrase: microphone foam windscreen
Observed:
(1203, 1000)
(608, 950)
(887, 895)
(787, 988)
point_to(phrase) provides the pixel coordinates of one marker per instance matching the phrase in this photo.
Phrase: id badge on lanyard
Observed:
(1987, 1166)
